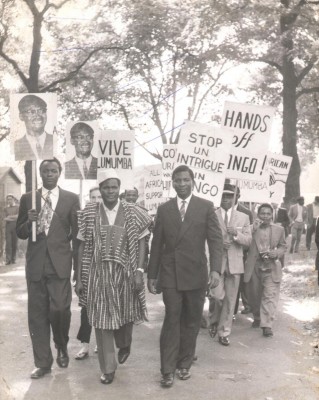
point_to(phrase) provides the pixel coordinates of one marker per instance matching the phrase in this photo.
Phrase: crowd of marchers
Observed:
(192, 250)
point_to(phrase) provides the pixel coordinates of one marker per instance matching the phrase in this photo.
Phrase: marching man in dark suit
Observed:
(182, 227)
(48, 265)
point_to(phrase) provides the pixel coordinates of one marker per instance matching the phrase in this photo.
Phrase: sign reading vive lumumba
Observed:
(153, 188)
(115, 150)
(205, 149)
(278, 166)
(251, 127)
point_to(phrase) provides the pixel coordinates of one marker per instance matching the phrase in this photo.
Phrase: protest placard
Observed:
(251, 127)
(153, 188)
(278, 166)
(33, 119)
(115, 150)
(205, 149)
(168, 165)
(253, 191)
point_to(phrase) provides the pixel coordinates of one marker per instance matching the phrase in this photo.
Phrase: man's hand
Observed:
(32, 215)
(79, 288)
(272, 254)
(227, 244)
(151, 285)
(214, 278)
(232, 231)
(138, 280)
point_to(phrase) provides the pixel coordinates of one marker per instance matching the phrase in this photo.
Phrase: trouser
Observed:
(241, 294)
(222, 303)
(85, 330)
(49, 305)
(310, 231)
(263, 296)
(296, 232)
(183, 312)
(11, 241)
(105, 345)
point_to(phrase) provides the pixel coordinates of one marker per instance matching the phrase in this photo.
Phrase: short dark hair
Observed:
(54, 159)
(79, 126)
(31, 99)
(265, 205)
(316, 198)
(183, 168)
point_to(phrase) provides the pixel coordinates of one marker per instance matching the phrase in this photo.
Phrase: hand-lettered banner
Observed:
(278, 166)
(205, 149)
(153, 188)
(168, 166)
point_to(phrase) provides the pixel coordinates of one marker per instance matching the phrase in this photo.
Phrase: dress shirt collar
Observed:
(87, 161)
(54, 192)
(187, 200)
(33, 140)
(114, 209)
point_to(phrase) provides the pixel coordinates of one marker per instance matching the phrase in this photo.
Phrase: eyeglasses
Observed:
(35, 111)
(82, 137)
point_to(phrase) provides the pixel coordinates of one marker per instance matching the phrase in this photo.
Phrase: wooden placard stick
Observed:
(34, 206)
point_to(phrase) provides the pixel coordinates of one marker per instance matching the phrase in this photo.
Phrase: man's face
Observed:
(227, 201)
(35, 117)
(183, 184)
(10, 201)
(50, 174)
(110, 190)
(131, 196)
(95, 196)
(301, 202)
(265, 214)
(82, 141)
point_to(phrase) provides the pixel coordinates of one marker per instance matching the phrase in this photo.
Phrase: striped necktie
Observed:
(85, 169)
(45, 215)
(182, 210)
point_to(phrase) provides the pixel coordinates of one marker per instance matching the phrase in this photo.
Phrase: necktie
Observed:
(182, 210)
(226, 219)
(39, 149)
(45, 215)
(85, 169)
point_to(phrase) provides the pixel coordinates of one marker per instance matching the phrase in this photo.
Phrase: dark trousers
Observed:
(11, 241)
(183, 312)
(49, 306)
(241, 293)
(310, 231)
(85, 330)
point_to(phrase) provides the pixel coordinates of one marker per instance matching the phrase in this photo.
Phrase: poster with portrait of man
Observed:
(33, 119)
(81, 149)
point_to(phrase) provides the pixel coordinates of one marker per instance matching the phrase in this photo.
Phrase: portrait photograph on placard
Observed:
(33, 125)
(81, 143)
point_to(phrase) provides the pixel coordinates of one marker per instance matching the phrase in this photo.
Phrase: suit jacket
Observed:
(282, 217)
(293, 213)
(235, 254)
(277, 241)
(246, 211)
(62, 229)
(178, 247)
(23, 150)
(310, 217)
(317, 243)
(72, 170)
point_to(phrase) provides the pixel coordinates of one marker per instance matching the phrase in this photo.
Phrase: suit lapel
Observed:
(188, 219)
(38, 200)
(221, 221)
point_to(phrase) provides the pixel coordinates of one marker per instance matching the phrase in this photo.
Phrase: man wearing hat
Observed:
(36, 143)
(298, 218)
(236, 235)
(110, 270)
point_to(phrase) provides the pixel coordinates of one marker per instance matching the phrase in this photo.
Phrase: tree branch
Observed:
(306, 70)
(314, 89)
(269, 62)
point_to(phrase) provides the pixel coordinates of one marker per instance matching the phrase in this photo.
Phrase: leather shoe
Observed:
(39, 372)
(123, 354)
(256, 323)
(268, 332)
(246, 310)
(81, 355)
(183, 374)
(224, 340)
(212, 331)
(62, 358)
(167, 380)
(107, 378)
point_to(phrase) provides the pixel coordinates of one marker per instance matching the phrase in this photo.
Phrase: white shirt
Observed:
(299, 216)
(223, 212)
(179, 202)
(315, 210)
(80, 162)
(54, 196)
(33, 140)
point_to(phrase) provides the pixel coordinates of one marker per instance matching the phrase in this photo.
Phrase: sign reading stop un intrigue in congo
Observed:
(205, 149)
(251, 127)
(115, 150)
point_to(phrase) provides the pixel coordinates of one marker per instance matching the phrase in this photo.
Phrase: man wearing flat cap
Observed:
(236, 235)
(298, 218)
(110, 271)
(36, 143)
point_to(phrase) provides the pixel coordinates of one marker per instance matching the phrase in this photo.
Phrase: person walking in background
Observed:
(182, 227)
(10, 216)
(85, 330)
(49, 265)
(312, 215)
(263, 269)
(298, 217)
(110, 272)
(236, 235)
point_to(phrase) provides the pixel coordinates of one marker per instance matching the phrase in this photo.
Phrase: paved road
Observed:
(251, 368)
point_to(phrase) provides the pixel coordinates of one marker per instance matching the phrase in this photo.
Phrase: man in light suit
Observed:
(298, 218)
(236, 234)
(36, 143)
(49, 264)
(263, 269)
(312, 215)
(182, 227)
(83, 165)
